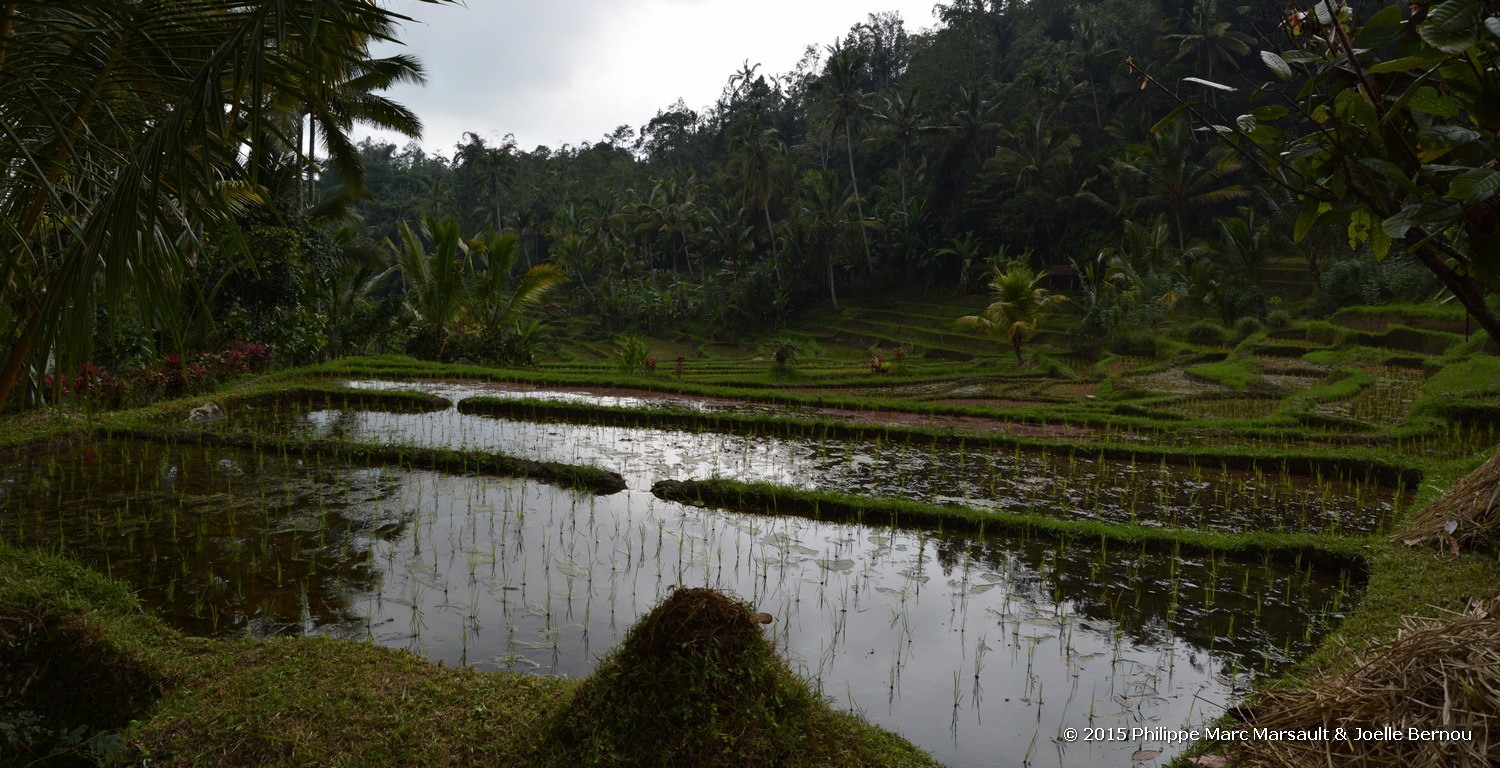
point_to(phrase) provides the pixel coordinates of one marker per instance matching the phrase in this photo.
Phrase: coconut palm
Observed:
(434, 281)
(466, 283)
(848, 104)
(1179, 182)
(761, 160)
(1021, 303)
(132, 135)
(493, 300)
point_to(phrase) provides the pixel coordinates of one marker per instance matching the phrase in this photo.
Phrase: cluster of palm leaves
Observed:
(133, 132)
(457, 285)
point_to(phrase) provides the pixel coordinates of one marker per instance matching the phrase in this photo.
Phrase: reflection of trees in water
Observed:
(1242, 609)
(220, 541)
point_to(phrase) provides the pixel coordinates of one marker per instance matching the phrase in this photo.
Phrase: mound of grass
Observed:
(696, 683)
(78, 661)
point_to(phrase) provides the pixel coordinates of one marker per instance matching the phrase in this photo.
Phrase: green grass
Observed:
(77, 648)
(315, 701)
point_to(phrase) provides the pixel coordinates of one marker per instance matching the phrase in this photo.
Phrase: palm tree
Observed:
(761, 163)
(1179, 183)
(434, 281)
(466, 283)
(492, 300)
(133, 133)
(842, 80)
(904, 119)
(1209, 39)
(1021, 303)
(823, 215)
(1088, 50)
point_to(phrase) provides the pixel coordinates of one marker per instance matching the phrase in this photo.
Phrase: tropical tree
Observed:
(494, 300)
(1179, 181)
(132, 134)
(848, 105)
(466, 284)
(1208, 39)
(1020, 306)
(761, 162)
(435, 281)
(1389, 127)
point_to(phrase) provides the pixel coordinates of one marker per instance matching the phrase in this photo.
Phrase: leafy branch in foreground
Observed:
(1391, 127)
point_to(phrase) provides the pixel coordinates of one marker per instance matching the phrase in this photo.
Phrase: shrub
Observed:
(1248, 326)
(1279, 318)
(633, 354)
(1139, 342)
(784, 352)
(1205, 332)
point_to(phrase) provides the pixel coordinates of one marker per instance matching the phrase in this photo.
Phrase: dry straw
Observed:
(1439, 674)
(1467, 517)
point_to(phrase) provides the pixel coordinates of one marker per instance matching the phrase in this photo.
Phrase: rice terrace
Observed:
(1066, 383)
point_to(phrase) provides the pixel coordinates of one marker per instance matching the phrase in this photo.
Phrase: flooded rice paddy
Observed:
(1060, 483)
(972, 647)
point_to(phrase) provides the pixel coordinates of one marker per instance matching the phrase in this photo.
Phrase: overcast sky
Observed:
(568, 71)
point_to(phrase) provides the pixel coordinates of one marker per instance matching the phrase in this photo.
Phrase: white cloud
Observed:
(569, 71)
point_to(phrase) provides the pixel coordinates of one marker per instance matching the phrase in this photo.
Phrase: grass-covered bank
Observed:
(1399, 580)
(81, 661)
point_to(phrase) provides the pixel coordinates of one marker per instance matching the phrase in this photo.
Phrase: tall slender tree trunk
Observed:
(775, 254)
(832, 294)
(858, 208)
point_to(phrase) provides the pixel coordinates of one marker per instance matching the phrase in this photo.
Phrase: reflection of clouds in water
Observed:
(501, 573)
(1008, 480)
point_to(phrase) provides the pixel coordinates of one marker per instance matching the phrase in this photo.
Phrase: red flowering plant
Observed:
(879, 366)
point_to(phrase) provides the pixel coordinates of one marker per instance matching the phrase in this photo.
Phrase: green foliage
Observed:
(784, 351)
(1382, 139)
(1136, 342)
(1021, 305)
(1205, 332)
(463, 289)
(1232, 373)
(136, 133)
(633, 355)
(1355, 279)
(1246, 327)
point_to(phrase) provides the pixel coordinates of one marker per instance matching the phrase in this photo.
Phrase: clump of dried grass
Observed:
(1467, 517)
(1438, 674)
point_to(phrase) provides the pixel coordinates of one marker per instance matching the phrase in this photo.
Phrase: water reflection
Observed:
(972, 648)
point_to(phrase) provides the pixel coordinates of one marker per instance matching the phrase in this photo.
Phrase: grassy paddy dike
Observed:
(1388, 398)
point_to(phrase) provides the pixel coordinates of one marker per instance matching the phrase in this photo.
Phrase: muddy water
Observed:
(972, 647)
(1062, 484)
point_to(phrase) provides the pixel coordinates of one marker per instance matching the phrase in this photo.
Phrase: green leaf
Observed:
(1305, 221)
(1246, 123)
(1438, 140)
(1391, 171)
(1403, 64)
(1453, 26)
(1381, 28)
(1429, 101)
(1210, 84)
(1380, 242)
(1277, 64)
(1474, 185)
(1270, 113)
(1170, 118)
(1359, 227)
(1301, 57)
(1397, 226)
